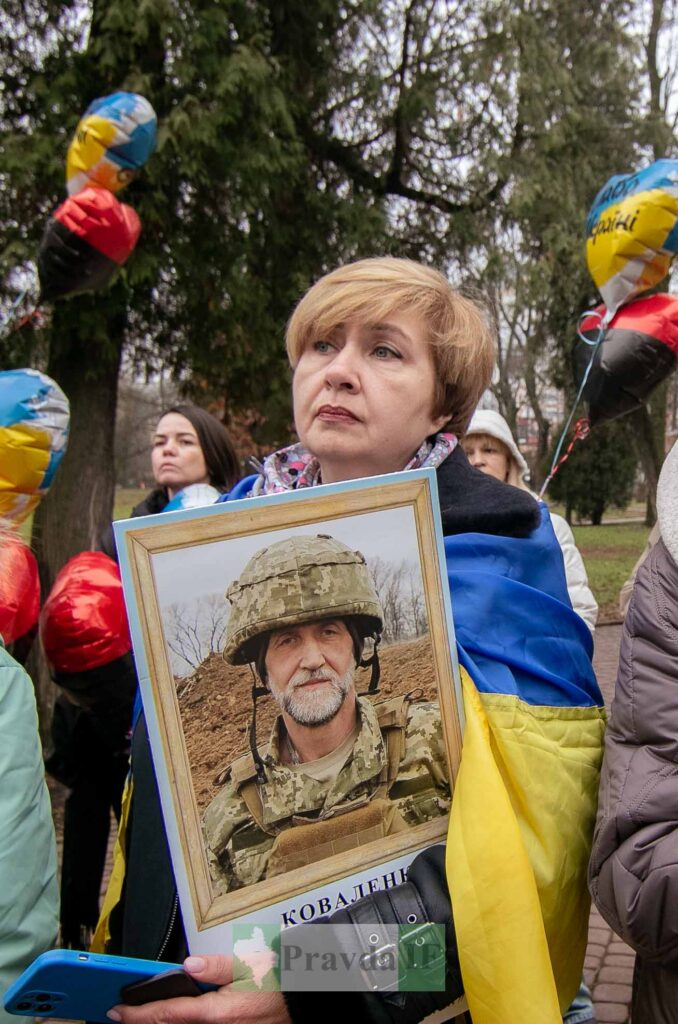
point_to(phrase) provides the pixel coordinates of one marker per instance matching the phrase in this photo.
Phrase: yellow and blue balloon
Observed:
(113, 140)
(632, 232)
(34, 417)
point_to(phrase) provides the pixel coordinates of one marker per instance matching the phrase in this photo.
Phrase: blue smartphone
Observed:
(70, 985)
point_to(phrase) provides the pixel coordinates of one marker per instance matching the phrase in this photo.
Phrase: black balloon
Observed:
(68, 264)
(638, 351)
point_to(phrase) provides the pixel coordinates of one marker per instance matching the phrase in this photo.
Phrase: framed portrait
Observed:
(297, 666)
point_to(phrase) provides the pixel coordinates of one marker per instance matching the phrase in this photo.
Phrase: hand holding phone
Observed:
(73, 985)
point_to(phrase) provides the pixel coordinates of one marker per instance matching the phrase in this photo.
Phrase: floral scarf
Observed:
(294, 467)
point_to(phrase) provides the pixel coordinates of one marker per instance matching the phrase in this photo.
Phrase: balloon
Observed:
(193, 496)
(83, 623)
(34, 418)
(19, 588)
(632, 232)
(639, 350)
(112, 142)
(87, 238)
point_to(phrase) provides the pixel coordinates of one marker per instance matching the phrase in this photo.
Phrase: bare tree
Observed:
(400, 593)
(194, 630)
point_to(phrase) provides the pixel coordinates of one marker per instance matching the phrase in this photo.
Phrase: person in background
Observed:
(85, 636)
(189, 449)
(389, 363)
(633, 873)
(491, 448)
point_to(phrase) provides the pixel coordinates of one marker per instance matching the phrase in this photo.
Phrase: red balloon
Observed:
(83, 623)
(87, 238)
(19, 588)
(638, 351)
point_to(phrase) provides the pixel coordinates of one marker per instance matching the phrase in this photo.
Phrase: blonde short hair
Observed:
(460, 335)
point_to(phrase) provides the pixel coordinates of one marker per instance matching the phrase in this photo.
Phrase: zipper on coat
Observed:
(170, 927)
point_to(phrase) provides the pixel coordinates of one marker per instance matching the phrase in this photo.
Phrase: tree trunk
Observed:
(650, 457)
(85, 351)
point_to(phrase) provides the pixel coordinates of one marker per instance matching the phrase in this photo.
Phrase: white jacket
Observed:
(583, 601)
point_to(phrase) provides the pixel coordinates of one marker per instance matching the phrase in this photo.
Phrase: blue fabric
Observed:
(515, 628)
(241, 490)
(516, 631)
(581, 1011)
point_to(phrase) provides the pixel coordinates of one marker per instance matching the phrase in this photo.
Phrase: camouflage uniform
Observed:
(240, 849)
(269, 817)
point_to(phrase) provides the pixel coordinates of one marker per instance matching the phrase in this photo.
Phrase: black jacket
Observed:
(149, 506)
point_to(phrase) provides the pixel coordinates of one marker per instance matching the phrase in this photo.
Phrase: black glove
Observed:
(421, 901)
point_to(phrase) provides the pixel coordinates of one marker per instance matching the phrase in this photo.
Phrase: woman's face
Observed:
(363, 397)
(488, 455)
(177, 457)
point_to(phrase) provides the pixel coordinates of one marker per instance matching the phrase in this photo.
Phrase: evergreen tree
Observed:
(598, 474)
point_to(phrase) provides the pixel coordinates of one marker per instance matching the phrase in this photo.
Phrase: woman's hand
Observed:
(226, 1005)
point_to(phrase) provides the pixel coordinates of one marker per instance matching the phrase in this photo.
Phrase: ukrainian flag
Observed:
(525, 797)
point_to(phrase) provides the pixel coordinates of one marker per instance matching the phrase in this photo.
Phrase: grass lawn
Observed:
(125, 500)
(609, 553)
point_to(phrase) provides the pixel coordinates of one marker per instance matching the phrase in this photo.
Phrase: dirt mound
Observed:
(216, 706)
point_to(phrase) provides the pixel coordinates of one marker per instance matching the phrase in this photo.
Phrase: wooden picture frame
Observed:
(169, 554)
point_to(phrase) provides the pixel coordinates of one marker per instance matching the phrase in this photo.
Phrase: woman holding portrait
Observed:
(389, 362)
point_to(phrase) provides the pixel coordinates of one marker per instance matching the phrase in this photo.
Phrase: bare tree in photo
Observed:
(195, 629)
(417, 606)
(399, 588)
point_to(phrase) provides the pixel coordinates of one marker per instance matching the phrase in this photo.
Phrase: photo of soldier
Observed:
(340, 770)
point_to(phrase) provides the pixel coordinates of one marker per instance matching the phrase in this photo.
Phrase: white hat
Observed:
(487, 421)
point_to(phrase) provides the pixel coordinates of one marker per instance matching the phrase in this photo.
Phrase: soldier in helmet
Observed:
(338, 771)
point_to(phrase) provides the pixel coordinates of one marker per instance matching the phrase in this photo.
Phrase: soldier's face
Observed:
(310, 669)
(363, 397)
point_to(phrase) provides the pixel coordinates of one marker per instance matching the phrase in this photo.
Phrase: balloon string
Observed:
(594, 343)
(582, 429)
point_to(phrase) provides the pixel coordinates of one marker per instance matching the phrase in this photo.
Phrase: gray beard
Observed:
(314, 708)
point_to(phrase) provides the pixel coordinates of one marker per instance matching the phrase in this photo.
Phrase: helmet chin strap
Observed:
(257, 691)
(373, 663)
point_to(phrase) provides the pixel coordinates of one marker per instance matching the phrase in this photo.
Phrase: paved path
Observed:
(608, 968)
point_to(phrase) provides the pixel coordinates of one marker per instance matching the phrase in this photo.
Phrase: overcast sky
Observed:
(183, 575)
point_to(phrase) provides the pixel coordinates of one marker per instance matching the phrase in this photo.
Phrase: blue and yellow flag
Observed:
(525, 797)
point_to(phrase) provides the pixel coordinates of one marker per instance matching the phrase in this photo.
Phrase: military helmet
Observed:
(295, 581)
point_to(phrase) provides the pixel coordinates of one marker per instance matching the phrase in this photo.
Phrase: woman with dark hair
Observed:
(189, 447)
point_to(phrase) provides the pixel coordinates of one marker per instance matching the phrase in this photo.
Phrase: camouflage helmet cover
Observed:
(295, 581)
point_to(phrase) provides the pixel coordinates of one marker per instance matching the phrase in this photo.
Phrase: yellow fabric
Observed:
(520, 831)
(102, 934)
